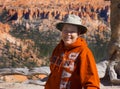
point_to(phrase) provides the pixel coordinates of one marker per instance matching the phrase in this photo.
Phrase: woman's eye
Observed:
(69, 32)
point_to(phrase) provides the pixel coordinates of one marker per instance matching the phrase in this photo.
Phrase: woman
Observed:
(72, 63)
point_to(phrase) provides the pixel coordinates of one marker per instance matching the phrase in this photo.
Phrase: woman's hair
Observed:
(79, 30)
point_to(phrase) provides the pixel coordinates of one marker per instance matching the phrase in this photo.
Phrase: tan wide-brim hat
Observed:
(73, 20)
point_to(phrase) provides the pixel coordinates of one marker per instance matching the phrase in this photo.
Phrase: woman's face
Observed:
(69, 34)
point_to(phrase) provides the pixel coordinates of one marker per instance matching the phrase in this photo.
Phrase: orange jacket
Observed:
(73, 67)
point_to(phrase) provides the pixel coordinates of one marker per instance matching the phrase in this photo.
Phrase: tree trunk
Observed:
(114, 45)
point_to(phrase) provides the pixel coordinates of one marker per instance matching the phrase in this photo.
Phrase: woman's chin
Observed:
(68, 43)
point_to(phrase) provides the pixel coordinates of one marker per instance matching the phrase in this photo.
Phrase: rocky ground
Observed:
(23, 82)
(32, 86)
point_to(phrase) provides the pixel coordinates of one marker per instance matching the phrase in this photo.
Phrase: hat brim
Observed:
(82, 28)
